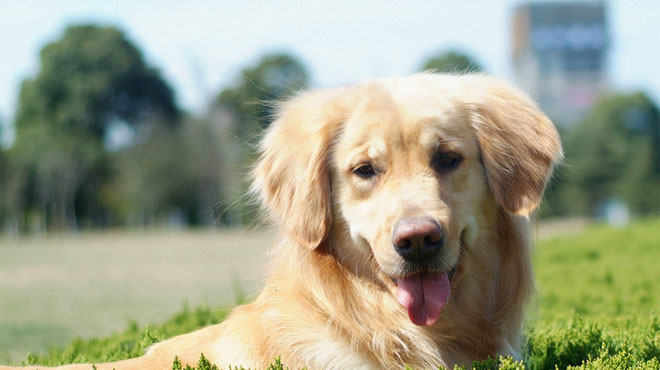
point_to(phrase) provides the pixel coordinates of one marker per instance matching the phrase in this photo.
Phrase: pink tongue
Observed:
(424, 295)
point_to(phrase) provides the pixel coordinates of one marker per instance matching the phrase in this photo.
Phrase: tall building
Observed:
(559, 54)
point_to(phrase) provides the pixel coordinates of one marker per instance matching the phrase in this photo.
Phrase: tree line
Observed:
(101, 142)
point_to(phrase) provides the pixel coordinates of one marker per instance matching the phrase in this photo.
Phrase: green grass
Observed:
(606, 274)
(596, 309)
(130, 343)
(57, 287)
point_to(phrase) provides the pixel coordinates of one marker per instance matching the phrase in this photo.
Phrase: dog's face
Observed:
(408, 183)
(407, 179)
(405, 173)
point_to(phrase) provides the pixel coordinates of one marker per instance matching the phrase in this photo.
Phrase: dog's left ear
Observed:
(291, 174)
(519, 145)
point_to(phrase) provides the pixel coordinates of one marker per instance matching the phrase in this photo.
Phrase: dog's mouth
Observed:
(426, 289)
(424, 294)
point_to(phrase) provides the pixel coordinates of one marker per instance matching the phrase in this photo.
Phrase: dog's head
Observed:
(403, 173)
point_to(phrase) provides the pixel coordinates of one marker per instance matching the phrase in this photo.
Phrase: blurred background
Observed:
(128, 128)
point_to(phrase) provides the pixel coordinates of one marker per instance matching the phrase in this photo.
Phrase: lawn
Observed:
(597, 298)
(596, 306)
(56, 288)
(605, 274)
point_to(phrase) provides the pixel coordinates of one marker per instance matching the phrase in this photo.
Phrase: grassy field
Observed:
(60, 287)
(597, 297)
(606, 274)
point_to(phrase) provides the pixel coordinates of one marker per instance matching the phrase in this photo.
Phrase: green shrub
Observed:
(582, 343)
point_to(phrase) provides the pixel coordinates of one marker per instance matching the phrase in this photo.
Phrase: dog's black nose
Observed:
(417, 239)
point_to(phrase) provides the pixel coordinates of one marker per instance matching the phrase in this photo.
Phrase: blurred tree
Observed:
(3, 175)
(614, 153)
(451, 62)
(250, 106)
(89, 80)
(252, 98)
(3, 184)
(172, 177)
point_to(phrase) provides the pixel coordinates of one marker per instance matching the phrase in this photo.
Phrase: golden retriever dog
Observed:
(403, 205)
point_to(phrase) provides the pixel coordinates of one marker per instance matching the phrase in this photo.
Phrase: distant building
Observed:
(559, 54)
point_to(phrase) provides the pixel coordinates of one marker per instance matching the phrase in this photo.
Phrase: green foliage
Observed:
(171, 169)
(547, 348)
(202, 364)
(600, 335)
(623, 360)
(451, 62)
(3, 181)
(63, 171)
(501, 363)
(277, 365)
(583, 344)
(90, 79)
(251, 100)
(614, 153)
(250, 106)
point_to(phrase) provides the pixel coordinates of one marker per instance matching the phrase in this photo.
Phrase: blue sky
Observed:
(201, 45)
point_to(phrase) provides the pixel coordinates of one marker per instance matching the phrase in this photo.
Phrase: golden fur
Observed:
(329, 301)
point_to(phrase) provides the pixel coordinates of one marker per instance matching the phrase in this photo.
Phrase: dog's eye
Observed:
(365, 170)
(445, 161)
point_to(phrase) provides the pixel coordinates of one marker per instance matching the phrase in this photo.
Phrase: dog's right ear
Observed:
(291, 174)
